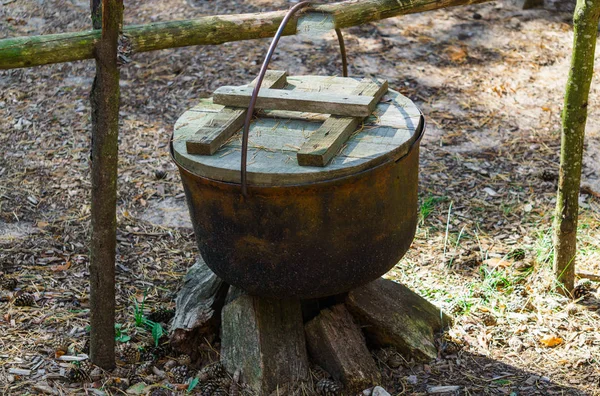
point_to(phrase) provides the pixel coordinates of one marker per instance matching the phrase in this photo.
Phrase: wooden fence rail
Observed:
(31, 51)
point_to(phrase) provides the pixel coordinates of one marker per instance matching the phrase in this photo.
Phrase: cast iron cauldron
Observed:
(300, 231)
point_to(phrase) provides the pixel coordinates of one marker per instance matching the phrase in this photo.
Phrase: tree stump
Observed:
(198, 312)
(393, 315)
(336, 344)
(267, 339)
(264, 339)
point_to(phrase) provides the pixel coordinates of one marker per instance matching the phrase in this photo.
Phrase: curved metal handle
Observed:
(261, 76)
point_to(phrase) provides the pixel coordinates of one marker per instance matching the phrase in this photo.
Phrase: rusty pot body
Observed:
(306, 241)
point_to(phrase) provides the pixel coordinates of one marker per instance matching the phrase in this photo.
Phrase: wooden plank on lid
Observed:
(221, 125)
(295, 100)
(326, 141)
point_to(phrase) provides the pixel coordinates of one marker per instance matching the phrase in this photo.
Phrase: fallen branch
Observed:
(588, 275)
(67, 47)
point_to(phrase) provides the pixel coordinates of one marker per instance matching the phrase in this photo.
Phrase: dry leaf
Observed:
(498, 262)
(551, 340)
(456, 54)
(424, 39)
(62, 267)
(42, 224)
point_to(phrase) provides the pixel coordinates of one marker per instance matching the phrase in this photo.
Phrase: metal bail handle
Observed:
(261, 76)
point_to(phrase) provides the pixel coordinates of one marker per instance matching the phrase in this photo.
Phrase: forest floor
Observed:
(489, 79)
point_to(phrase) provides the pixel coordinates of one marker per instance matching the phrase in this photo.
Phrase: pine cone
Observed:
(212, 371)
(160, 351)
(328, 387)
(8, 283)
(179, 374)
(86, 346)
(24, 300)
(120, 372)
(160, 174)
(487, 318)
(449, 345)
(152, 379)
(86, 366)
(208, 388)
(147, 355)
(144, 368)
(120, 383)
(184, 360)
(455, 308)
(220, 392)
(76, 374)
(548, 175)
(60, 344)
(160, 392)
(394, 360)
(582, 289)
(517, 254)
(130, 354)
(5, 297)
(520, 291)
(224, 381)
(133, 379)
(162, 315)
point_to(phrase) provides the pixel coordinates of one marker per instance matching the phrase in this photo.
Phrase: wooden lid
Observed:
(276, 136)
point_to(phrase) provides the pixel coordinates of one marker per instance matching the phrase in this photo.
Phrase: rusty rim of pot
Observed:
(419, 132)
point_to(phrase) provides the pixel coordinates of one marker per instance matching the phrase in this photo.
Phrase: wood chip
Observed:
(18, 371)
(443, 389)
(44, 388)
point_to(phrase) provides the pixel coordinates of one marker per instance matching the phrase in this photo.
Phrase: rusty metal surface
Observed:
(309, 240)
(340, 38)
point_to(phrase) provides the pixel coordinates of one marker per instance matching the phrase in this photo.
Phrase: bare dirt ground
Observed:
(490, 81)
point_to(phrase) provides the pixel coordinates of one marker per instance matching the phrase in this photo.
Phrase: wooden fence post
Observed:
(585, 27)
(104, 99)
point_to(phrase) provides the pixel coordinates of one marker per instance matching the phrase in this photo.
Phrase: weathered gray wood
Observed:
(233, 293)
(264, 339)
(274, 142)
(393, 315)
(326, 141)
(224, 123)
(279, 99)
(336, 343)
(199, 304)
(220, 127)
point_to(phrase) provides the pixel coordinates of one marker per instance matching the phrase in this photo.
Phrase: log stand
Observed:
(270, 342)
